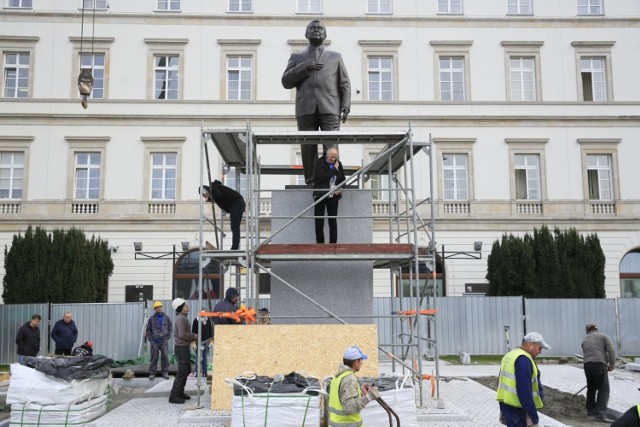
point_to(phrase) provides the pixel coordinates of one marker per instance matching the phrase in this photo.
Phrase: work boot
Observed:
(152, 376)
(165, 376)
(185, 396)
(604, 418)
(176, 400)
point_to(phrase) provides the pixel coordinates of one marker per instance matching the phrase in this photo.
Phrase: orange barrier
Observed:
(248, 315)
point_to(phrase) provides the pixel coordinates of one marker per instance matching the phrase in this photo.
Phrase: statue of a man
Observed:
(323, 91)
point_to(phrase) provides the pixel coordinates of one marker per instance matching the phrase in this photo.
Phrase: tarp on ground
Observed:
(71, 368)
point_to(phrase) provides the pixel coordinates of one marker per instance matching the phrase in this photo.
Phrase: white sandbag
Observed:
(402, 400)
(31, 414)
(28, 385)
(275, 409)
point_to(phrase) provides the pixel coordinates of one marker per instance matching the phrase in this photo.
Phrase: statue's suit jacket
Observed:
(328, 89)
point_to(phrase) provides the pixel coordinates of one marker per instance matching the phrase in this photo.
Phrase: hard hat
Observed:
(157, 304)
(177, 303)
(89, 344)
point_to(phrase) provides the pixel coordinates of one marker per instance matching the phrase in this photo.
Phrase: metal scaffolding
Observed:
(402, 256)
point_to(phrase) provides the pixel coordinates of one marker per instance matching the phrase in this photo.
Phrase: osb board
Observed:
(280, 349)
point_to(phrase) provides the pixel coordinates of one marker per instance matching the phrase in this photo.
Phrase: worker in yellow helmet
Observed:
(158, 334)
(520, 392)
(346, 398)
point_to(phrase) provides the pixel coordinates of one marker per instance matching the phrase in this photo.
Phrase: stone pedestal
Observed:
(343, 287)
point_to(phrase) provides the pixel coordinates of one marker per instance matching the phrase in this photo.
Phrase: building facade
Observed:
(533, 108)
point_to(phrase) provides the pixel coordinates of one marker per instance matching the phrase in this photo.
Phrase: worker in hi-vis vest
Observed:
(631, 418)
(519, 389)
(346, 398)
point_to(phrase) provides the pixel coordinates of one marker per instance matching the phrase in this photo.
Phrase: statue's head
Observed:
(316, 32)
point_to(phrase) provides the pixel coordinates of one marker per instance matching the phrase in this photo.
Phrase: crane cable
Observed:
(85, 79)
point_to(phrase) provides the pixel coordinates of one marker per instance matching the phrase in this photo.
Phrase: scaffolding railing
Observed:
(239, 148)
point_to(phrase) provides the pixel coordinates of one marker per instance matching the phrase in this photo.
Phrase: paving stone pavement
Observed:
(466, 402)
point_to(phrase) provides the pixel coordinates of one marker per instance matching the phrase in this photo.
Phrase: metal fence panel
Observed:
(12, 316)
(562, 321)
(114, 329)
(629, 312)
(476, 324)
(471, 324)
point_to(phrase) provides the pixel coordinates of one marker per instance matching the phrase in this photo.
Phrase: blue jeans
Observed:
(513, 417)
(205, 358)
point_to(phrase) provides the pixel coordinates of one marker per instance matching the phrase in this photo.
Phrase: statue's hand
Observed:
(312, 65)
(344, 113)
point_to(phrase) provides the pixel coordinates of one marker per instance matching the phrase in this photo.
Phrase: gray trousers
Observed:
(164, 361)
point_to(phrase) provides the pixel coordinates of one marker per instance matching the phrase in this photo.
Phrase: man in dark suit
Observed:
(323, 91)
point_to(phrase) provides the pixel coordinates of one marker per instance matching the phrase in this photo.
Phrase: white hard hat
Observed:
(177, 303)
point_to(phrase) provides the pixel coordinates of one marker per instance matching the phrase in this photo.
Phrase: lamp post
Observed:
(139, 254)
(475, 254)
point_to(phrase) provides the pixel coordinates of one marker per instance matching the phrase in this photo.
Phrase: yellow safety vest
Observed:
(638, 408)
(507, 392)
(337, 416)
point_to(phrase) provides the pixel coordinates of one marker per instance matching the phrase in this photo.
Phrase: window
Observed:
(452, 7)
(240, 5)
(527, 176)
(87, 179)
(95, 62)
(519, 7)
(16, 75)
(599, 177)
(231, 181)
(593, 65)
(522, 76)
(380, 71)
(452, 62)
(455, 176)
(309, 6)
(237, 63)
(95, 4)
(522, 62)
(166, 82)
(23, 4)
(377, 182)
(170, 5)
(590, 7)
(452, 78)
(11, 175)
(594, 84)
(163, 176)
(379, 6)
(239, 78)
(165, 59)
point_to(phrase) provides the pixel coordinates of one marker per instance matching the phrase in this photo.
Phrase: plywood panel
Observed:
(280, 349)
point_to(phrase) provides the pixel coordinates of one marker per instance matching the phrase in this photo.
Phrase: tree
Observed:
(60, 267)
(510, 268)
(564, 264)
(547, 270)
